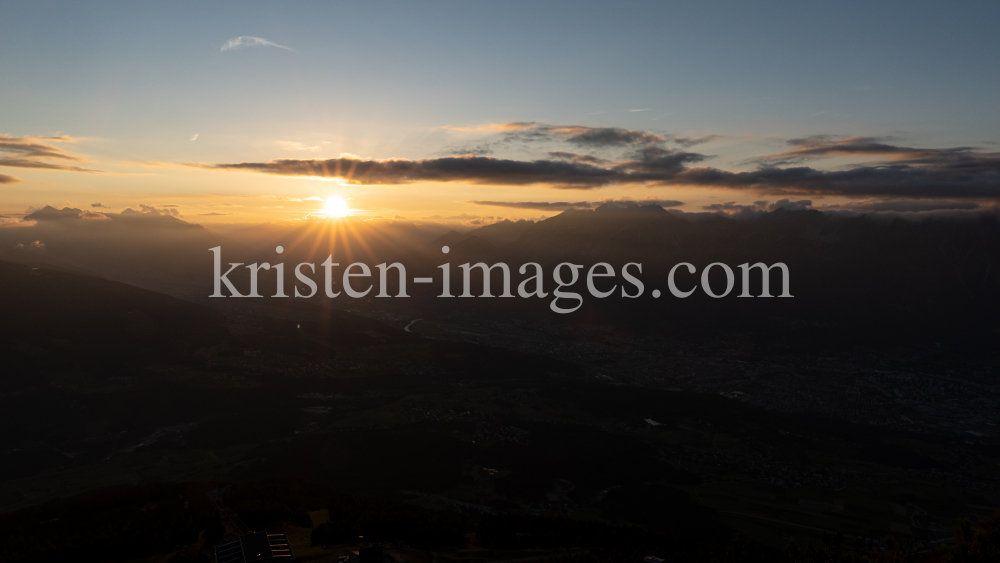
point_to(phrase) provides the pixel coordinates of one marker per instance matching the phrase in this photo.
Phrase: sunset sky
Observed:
(466, 112)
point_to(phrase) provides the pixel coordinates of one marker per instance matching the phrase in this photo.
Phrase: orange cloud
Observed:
(33, 152)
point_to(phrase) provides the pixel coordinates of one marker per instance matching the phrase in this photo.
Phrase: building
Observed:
(254, 547)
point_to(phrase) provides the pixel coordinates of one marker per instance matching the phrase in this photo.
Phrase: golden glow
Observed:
(341, 181)
(335, 206)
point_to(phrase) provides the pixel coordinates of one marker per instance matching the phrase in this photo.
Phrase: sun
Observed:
(335, 206)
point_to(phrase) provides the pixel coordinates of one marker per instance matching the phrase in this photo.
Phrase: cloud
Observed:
(37, 246)
(212, 214)
(152, 210)
(648, 164)
(508, 135)
(790, 205)
(642, 202)
(760, 206)
(654, 160)
(968, 176)
(653, 204)
(581, 158)
(32, 147)
(915, 207)
(905, 206)
(5, 179)
(903, 172)
(588, 136)
(34, 152)
(563, 205)
(26, 163)
(99, 205)
(547, 205)
(520, 135)
(729, 206)
(606, 136)
(92, 215)
(495, 127)
(828, 146)
(194, 137)
(248, 41)
(692, 141)
(471, 169)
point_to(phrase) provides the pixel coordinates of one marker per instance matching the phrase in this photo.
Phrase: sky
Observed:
(459, 111)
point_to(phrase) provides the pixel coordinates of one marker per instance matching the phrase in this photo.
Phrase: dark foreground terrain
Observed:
(123, 405)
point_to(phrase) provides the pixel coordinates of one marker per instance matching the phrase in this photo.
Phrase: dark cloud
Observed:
(977, 176)
(649, 164)
(503, 136)
(629, 204)
(759, 206)
(581, 158)
(692, 141)
(733, 206)
(877, 206)
(563, 205)
(5, 179)
(605, 136)
(790, 205)
(482, 149)
(522, 135)
(907, 206)
(509, 135)
(593, 137)
(642, 202)
(471, 169)
(828, 146)
(33, 152)
(544, 205)
(99, 205)
(26, 163)
(32, 147)
(904, 173)
(659, 160)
